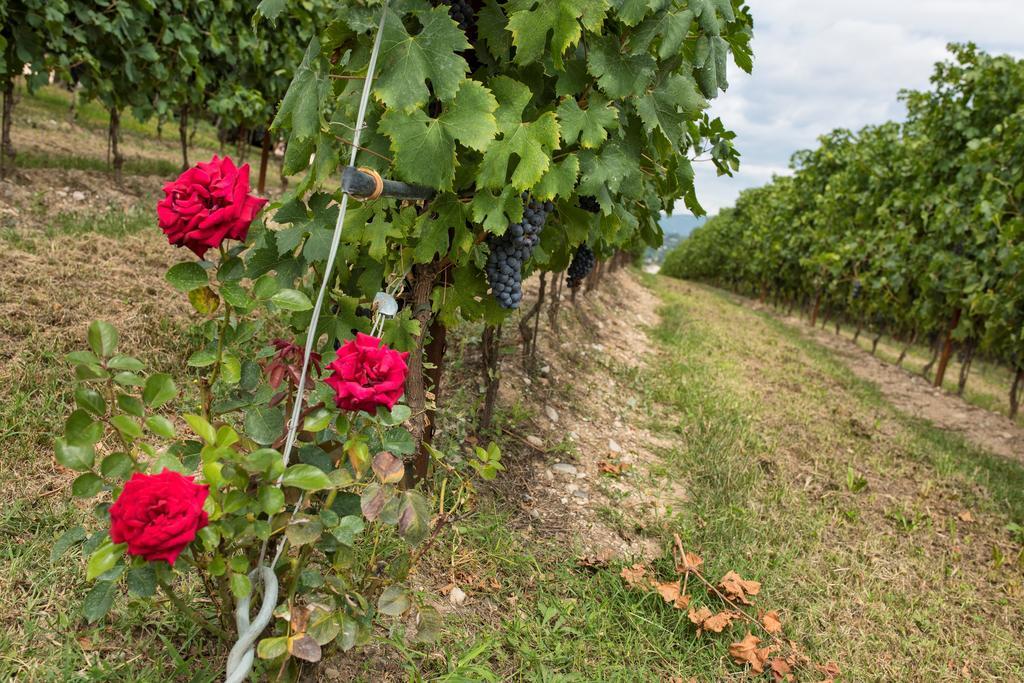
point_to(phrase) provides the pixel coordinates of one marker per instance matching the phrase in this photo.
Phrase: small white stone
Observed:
(457, 597)
(572, 488)
(535, 441)
(535, 513)
(614, 446)
(78, 196)
(544, 370)
(551, 413)
(564, 469)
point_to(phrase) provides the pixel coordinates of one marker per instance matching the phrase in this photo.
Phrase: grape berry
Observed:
(511, 250)
(588, 203)
(582, 263)
(462, 14)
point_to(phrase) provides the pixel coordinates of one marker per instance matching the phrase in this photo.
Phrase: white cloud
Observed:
(825, 64)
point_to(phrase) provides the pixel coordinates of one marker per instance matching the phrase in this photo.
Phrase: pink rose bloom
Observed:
(208, 204)
(367, 374)
(158, 515)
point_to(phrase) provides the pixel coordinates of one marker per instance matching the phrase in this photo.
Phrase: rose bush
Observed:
(158, 515)
(207, 204)
(367, 374)
(196, 482)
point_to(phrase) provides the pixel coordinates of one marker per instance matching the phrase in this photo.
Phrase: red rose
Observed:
(367, 374)
(157, 515)
(208, 204)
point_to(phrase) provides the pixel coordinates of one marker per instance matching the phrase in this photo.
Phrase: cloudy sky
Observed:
(824, 64)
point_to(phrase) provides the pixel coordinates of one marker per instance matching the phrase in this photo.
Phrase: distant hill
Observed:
(680, 224)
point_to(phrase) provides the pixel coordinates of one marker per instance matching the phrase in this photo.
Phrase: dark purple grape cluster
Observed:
(857, 286)
(512, 249)
(588, 203)
(582, 263)
(462, 14)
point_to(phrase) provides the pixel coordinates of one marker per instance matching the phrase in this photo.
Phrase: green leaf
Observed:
(86, 485)
(75, 534)
(265, 287)
(159, 390)
(318, 420)
(187, 276)
(531, 143)
(591, 125)
(142, 581)
(82, 357)
(117, 465)
(272, 648)
(408, 62)
(202, 358)
(618, 74)
(129, 428)
(560, 180)
(125, 363)
(300, 108)
(271, 499)
(74, 456)
(304, 530)
(130, 405)
(291, 300)
(160, 425)
(271, 9)
(530, 22)
(91, 400)
(235, 295)
(348, 528)
(670, 106)
(264, 424)
(102, 338)
(424, 147)
(82, 429)
(394, 601)
(99, 601)
(241, 586)
(305, 477)
(230, 369)
(201, 427)
(104, 558)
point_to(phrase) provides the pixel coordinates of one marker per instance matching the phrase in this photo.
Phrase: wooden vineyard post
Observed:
(947, 350)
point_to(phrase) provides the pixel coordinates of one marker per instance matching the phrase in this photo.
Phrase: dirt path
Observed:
(915, 395)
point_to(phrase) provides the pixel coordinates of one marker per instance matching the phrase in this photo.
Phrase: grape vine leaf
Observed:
(408, 61)
(531, 142)
(300, 108)
(559, 180)
(669, 105)
(618, 74)
(669, 28)
(424, 147)
(496, 211)
(433, 227)
(631, 12)
(530, 22)
(590, 125)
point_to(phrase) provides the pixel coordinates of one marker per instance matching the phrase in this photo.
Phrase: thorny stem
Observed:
(221, 334)
(187, 610)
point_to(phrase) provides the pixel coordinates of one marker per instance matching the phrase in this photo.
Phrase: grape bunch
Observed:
(511, 250)
(588, 203)
(462, 14)
(856, 289)
(582, 263)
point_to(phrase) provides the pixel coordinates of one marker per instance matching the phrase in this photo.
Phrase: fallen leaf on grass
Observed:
(781, 670)
(736, 588)
(689, 562)
(598, 561)
(830, 669)
(966, 516)
(747, 652)
(634, 575)
(770, 621)
(706, 621)
(669, 592)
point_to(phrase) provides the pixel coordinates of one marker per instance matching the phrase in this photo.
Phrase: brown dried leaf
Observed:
(718, 622)
(598, 561)
(691, 562)
(304, 647)
(770, 621)
(966, 516)
(747, 652)
(830, 669)
(388, 468)
(634, 575)
(781, 670)
(669, 591)
(299, 618)
(736, 588)
(613, 468)
(699, 616)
